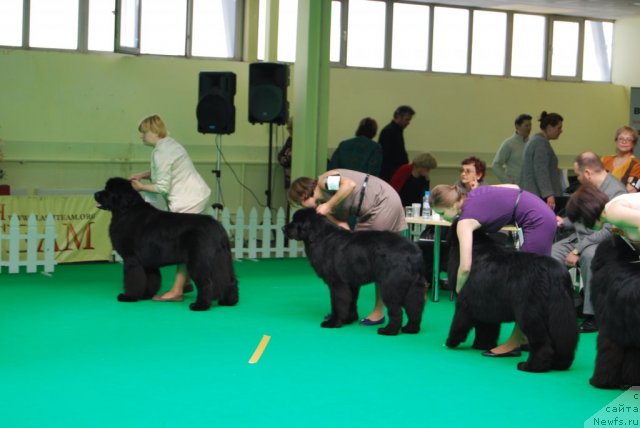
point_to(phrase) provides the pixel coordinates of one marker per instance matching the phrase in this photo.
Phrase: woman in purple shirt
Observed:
(490, 208)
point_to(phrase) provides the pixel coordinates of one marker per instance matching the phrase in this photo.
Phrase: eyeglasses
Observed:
(627, 139)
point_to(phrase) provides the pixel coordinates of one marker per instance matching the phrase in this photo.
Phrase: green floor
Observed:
(72, 356)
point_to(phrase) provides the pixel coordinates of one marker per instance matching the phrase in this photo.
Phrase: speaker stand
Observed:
(269, 166)
(217, 206)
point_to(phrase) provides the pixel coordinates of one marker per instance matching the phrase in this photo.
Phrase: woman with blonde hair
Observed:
(623, 165)
(491, 208)
(173, 177)
(411, 180)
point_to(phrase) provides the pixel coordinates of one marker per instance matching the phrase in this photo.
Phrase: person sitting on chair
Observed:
(578, 249)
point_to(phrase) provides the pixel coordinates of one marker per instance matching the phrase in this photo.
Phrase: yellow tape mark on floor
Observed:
(260, 349)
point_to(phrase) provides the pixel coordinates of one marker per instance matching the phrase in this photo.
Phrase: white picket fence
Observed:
(251, 238)
(21, 249)
(255, 237)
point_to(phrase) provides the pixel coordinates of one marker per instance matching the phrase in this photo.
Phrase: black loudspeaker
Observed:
(215, 112)
(268, 82)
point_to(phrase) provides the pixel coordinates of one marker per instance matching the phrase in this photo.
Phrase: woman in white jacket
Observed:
(175, 179)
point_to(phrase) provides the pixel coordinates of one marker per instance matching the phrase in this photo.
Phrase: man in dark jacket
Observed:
(391, 139)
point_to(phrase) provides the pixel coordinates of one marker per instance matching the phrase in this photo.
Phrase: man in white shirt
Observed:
(508, 160)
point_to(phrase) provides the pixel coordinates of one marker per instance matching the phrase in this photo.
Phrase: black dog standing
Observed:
(346, 260)
(505, 285)
(147, 239)
(615, 292)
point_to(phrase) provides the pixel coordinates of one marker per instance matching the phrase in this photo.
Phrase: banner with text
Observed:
(82, 230)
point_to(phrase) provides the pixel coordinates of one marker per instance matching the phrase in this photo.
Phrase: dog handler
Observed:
(340, 193)
(490, 208)
(174, 177)
(591, 207)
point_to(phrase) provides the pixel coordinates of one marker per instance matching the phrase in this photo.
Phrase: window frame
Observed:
(609, 57)
(507, 42)
(344, 20)
(118, 48)
(551, 19)
(545, 44)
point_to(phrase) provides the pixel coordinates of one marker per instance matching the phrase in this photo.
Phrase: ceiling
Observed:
(600, 9)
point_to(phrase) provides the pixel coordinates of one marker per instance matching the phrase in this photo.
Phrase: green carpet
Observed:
(72, 356)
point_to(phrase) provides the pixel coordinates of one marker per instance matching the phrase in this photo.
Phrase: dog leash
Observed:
(362, 190)
(519, 237)
(626, 240)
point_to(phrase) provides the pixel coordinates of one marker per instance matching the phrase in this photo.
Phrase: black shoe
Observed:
(514, 353)
(588, 326)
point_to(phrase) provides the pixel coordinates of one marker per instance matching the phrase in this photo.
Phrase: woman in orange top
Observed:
(624, 166)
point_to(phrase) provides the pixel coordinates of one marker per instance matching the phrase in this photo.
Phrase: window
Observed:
(489, 42)
(287, 30)
(214, 28)
(159, 27)
(11, 22)
(163, 27)
(366, 33)
(53, 24)
(564, 49)
(528, 46)
(410, 36)
(383, 34)
(128, 26)
(598, 40)
(262, 30)
(336, 31)
(101, 25)
(450, 39)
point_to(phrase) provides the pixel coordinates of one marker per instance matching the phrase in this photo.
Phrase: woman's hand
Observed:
(551, 202)
(572, 260)
(630, 187)
(343, 224)
(147, 187)
(140, 176)
(339, 223)
(324, 209)
(136, 184)
(464, 230)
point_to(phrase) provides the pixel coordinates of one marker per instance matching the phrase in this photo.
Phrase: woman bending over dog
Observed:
(591, 207)
(341, 193)
(491, 208)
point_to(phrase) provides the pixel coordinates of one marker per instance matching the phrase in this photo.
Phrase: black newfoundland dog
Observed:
(147, 238)
(505, 285)
(346, 260)
(615, 293)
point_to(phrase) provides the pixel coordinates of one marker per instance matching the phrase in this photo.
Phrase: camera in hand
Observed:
(635, 182)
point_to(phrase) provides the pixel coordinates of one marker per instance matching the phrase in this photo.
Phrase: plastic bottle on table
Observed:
(426, 208)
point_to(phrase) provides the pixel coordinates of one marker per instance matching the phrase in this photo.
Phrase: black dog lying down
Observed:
(346, 260)
(505, 285)
(147, 238)
(615, 293)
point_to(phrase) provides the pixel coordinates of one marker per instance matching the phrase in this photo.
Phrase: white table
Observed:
(435, 280)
